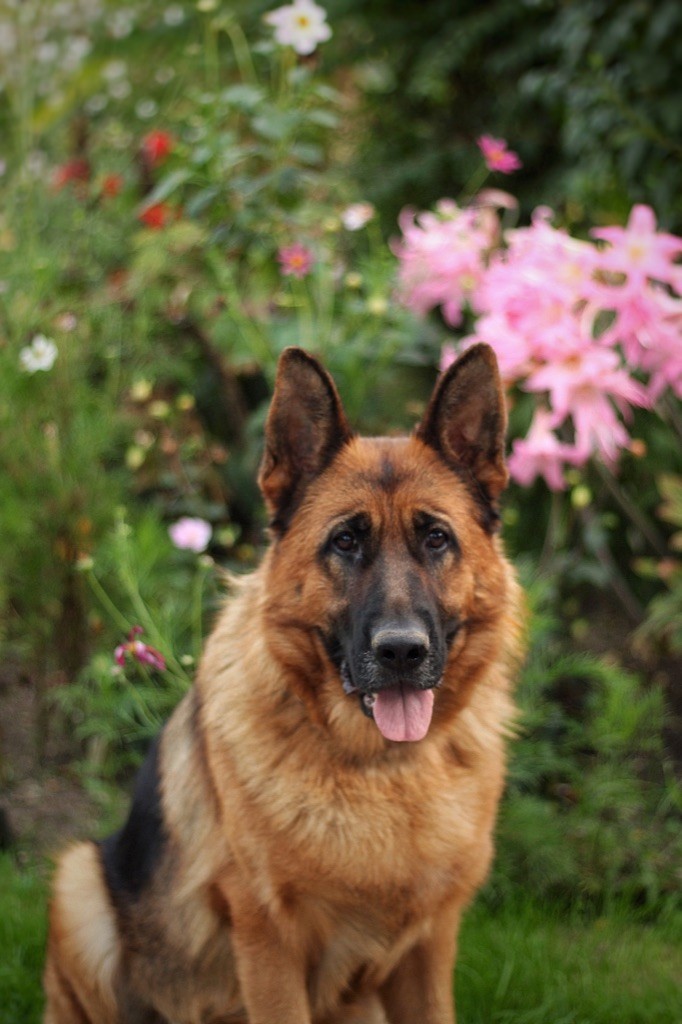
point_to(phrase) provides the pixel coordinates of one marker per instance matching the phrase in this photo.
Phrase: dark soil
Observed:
(43, 802)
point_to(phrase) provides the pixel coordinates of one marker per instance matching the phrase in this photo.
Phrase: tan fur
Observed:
(84, 947)
(315, 871)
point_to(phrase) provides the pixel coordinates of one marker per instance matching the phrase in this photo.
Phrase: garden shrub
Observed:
(592, 809)
(587, 89)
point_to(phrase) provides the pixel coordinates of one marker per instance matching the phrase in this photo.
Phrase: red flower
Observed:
(112, 185)
(76, 170)
(155, 146)
(157, 215)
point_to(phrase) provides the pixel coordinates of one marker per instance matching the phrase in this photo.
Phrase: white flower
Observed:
(39, 355)
(146, 109)
(174, 15)
(302, 25)
(114, 69)
(357, 215)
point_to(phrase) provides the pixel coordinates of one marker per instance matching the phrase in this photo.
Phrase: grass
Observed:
(534, 965)
(521, 965)
(23, 897)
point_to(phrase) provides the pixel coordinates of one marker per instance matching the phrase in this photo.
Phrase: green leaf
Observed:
(308, 153)
(203, 199)
(276, 125)
(244, 97)
(169, 184)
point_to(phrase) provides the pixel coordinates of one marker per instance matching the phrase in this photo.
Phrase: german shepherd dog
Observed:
(319, 809)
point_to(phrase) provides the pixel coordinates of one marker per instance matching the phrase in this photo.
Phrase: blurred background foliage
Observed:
(587, 88)
(153, 263)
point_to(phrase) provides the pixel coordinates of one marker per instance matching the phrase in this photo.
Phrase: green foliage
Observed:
(138, 580)
(585, 92)
(664, 614)
(157, 278)
(593, 809)
(529, 964)
(23, 921)
(59, 429)
(160, 281)
(523, 964)
(620, 116)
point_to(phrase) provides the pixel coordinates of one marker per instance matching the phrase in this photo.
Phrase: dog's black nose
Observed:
(400, 650)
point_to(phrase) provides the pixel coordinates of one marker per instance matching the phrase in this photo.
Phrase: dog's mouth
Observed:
(401, 712)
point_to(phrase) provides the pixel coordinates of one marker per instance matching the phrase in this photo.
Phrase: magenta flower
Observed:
(497, 155)
(295, 260)
(191, 533)
(134, 648)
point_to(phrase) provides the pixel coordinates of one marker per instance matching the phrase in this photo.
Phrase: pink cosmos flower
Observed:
(497, 155)
(541, 453)
(139, 651)
(190, 533)
(295, 260)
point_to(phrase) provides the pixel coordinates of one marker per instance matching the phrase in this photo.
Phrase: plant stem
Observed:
(240, 47)
(671, 411)
(552, 533)
(618, 582)
(634, 514)
(474, 183)
(104, 599)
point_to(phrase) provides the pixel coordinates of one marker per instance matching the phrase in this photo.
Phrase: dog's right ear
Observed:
(305, 428)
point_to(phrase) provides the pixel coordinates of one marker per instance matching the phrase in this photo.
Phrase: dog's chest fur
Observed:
(350, 860)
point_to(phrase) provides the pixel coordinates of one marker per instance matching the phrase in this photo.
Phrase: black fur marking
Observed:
(333, 648)
(390, 476)
(130, 856)
(487, 508)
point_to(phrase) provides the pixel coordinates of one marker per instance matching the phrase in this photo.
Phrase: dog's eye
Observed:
(345, 542)
(436, 539)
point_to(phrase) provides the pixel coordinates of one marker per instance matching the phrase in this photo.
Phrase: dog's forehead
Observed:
(387, 474)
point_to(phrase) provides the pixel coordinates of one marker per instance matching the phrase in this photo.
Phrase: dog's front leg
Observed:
(420, 989)
(271, 971)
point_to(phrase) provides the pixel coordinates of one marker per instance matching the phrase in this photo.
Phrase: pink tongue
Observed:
(403, 713)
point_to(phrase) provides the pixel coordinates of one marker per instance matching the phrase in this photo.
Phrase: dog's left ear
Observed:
(305, 428)
(466, 420)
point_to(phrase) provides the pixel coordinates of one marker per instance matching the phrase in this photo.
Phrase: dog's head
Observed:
(385, 570)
